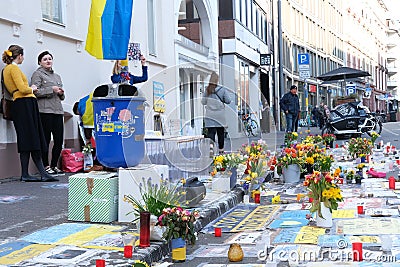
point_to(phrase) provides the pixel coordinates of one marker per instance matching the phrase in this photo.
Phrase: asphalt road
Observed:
(47, 203)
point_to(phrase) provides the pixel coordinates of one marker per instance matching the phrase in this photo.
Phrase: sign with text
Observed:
(304, 65)
(158, 97)
(265, 59)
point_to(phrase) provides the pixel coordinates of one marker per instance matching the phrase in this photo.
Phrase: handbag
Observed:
(6, 101)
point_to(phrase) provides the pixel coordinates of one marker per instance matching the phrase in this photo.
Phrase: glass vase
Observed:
(144, 229)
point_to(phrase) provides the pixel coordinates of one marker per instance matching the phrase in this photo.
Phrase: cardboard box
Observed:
(129, 184)
(93, 197)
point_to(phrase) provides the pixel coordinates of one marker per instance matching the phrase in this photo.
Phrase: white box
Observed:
(129, 184)
(221, 184)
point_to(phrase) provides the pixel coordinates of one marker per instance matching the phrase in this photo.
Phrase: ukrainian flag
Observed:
(109, 28)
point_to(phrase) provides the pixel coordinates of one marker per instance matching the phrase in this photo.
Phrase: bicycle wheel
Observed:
(253, 128)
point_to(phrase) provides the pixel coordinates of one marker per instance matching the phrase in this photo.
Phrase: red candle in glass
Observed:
(100, 263)
(257, 198)
(360, 209)
(128, 251)
(357, 251)
(310, 199)
(217, 232)
(337, 146)
(392, 183)
(144, 229)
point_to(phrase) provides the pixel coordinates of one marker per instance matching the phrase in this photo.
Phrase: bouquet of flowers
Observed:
(155, 198)
(323, 162)
(255, 169)
(226, 162)
(328, 138)
(312, 139)
(87, 149)
(290, 155)
(323, 190)
(290, 138)
(179, 223)
(374, 136)
(359, 146)
(255, 149)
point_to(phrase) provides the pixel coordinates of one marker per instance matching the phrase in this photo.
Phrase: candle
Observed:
(360, 209)
(337, 146)
(392, 183)
(217, 232)
(257, 198)
(310, 199)
(357, 251)
(128, 251)
(100, 263)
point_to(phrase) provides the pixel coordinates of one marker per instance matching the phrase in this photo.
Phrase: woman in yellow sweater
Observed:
(30, 137)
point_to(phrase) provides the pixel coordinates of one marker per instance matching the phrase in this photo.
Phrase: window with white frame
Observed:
(52, 10)
(151, 24)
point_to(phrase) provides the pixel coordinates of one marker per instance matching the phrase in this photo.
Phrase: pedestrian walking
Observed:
(214, 99)
(121, 72)
(290, 105)
(49, 95)
(26, 118)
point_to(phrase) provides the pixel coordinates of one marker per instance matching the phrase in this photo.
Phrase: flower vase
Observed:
(326, 221)
(87, 162)
(144, 229)
(363, 159)
(291, 173)
(178, 247)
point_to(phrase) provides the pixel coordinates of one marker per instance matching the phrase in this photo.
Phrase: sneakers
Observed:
(54, 171)
(58, 171)
(50, 170)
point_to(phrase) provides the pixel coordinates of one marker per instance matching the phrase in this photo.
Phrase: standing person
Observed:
(49, 96)
(121, 72)
(215, 97)
(291, 107)
(30, 136)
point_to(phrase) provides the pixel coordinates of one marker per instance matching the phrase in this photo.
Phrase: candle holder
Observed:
(144, 229)
(129, 244)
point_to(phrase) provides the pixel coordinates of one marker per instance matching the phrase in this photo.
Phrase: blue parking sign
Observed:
(303, 59)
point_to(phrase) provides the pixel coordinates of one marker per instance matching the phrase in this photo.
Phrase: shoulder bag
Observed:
(6, 101)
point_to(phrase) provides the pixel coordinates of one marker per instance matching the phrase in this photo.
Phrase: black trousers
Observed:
(220, 131)
(53, 124)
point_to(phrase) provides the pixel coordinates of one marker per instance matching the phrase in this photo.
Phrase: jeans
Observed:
(220, 131)
(291, 121)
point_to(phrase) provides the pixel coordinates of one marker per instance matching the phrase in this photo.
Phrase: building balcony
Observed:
(392, 84)
(391, 56)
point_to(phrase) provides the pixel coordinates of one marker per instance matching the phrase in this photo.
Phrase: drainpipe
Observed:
(280, 51)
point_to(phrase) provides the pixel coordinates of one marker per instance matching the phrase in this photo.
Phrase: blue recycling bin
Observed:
(119, 125)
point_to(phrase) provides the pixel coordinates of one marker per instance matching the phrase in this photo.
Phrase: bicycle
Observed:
(249, 124)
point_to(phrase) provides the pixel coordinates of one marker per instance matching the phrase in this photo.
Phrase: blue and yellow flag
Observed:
(109, 28)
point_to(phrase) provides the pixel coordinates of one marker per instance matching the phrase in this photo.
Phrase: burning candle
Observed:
(310, 199)
(357, 251)
(257, 198)
(392, 183)
(128, 251)
(360, 209)
(100, 263)
(217, 231)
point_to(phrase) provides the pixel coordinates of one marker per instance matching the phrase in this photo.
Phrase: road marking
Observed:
(390, 131)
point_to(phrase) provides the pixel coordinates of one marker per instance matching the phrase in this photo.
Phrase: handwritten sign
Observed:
(341, 214)
(309, 235)
(371, 226)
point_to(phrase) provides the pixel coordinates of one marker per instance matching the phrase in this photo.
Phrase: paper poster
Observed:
(342, 213)
(309, 235)
(371, 226)
(13, 199)
(333, 241)
(134, 51)
(352, 203)
(381, 212)
(290, 222)
(64, 255)
(25, 253)
(300, 214)
(246, 238)
(286, 235)
(367, 240)
(298, 206)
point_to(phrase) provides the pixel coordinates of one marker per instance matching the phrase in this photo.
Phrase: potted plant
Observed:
(180, 230)
(359, 146)
(289, 164)
(328, 139)
(323, 163)
(325, 193)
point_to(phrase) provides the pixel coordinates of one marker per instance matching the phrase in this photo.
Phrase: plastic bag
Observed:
(71, 162)
(156, 231)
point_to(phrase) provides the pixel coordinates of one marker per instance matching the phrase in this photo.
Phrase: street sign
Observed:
(265, 59)
(367, 92)
(304, 65)
(351, 89)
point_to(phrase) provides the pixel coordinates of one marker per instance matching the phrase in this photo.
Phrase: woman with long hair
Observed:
(30, 137)
(214, 99)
